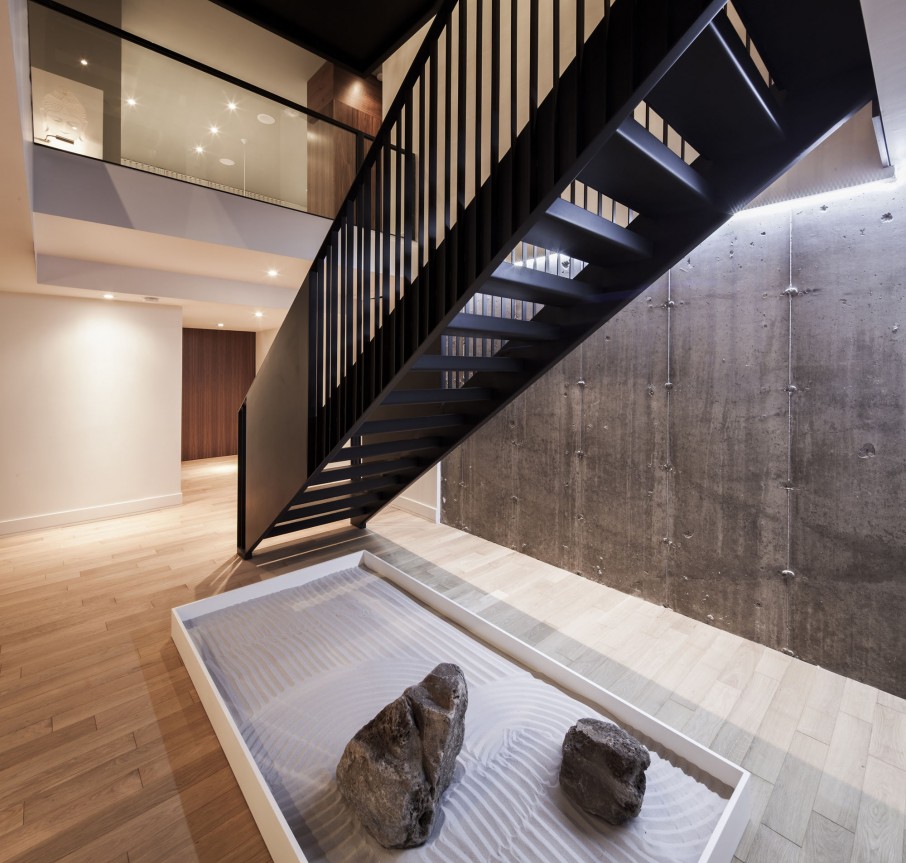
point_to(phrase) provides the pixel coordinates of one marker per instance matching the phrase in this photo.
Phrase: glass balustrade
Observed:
(101, 94)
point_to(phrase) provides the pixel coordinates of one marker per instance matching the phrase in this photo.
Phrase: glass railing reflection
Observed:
(100, 94)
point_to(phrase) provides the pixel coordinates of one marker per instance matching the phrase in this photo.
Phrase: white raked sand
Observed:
(303, 669)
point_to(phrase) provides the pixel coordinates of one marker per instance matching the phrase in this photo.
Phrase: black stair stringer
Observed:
(813, 120)
(514, 201)
(456, 272)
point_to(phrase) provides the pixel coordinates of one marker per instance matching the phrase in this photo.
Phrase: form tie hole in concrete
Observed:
(867, 451)
(887, 217)
(791, 389)
(791, 291)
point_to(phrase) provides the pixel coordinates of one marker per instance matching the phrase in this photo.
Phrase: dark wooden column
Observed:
(355, 101)
(218, 367)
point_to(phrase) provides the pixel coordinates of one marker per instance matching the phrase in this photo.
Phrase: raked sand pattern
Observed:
(303, 669)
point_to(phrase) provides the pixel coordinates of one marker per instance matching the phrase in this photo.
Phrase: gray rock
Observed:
(603, 770)
(396, 768)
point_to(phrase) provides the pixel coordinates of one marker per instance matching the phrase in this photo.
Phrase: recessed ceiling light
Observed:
(266, 119)
(131, 102)
(199, 149)
(259, 314)
(231, 106)
(273, 273)
(228, 162)
(108, 296)
(215, 130)
(83, 61)
(220, 324)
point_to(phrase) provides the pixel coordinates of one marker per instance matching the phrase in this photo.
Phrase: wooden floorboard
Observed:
(106, 754)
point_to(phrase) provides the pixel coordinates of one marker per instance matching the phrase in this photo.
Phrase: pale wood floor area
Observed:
(106, 754)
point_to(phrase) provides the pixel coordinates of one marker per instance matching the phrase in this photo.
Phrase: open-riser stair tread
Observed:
(715, 97)
(439, 396)
(581, 234)
(485, 326)
(623, 262)
(439, 362)
(529, 284)
(400, 446)
(638, 170)
(417, 423)
(351, 488)
(798, 45)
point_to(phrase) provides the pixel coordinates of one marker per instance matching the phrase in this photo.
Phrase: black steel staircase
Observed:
(504, 215)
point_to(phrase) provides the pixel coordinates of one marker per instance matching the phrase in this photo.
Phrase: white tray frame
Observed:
(280, 841)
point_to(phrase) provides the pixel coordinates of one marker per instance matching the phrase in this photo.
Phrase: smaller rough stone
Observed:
(603, 770)
(396, 768)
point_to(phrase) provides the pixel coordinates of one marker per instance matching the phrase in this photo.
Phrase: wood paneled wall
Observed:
(218, 367)
(350, 99)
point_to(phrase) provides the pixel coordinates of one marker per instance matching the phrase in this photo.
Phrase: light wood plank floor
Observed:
(106, 754)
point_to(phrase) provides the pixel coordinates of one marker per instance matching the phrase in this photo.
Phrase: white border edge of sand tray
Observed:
(279, 839)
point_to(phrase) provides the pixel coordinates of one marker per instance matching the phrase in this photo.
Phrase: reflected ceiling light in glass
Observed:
(131, 102)
(214, 130)
(266, 119)
(220, 324)
(273, 273)
(228, 162)
(259, 314)
(108, 296)
(231, 105)
(83, 62)
(199, 149)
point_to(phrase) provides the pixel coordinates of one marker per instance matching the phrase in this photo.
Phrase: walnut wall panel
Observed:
(218, 367)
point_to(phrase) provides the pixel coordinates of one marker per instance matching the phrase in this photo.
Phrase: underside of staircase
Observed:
(442, 292)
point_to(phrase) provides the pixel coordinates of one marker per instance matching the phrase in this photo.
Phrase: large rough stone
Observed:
(603, 770)
(396, 768)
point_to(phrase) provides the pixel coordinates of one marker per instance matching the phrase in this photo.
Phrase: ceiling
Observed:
(358, 34)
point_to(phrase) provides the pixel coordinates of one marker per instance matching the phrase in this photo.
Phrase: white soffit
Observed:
(885, 23)
(62, 237)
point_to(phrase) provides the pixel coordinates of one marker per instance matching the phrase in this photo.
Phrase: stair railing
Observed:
(483, 134)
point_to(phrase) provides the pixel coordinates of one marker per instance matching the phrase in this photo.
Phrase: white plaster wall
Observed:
(91, 396)
(210, 34)
(263, 341)
(423, 496)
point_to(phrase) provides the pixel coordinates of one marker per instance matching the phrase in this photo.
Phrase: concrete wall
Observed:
(91, 409)
(773, 512)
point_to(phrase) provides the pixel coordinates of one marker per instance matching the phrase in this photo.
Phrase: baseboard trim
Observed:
(91, 513)
(416, 507)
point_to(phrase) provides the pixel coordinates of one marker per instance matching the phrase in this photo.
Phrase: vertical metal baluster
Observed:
(432, 189)
(477, 234)
(449, 202)
(409, 229)
(461, 113)
(350, 312)
(313, 402)
(514, 101)
(422, 221)
(398, 247)
(368, 233)
(389, 322)
(580, 33)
